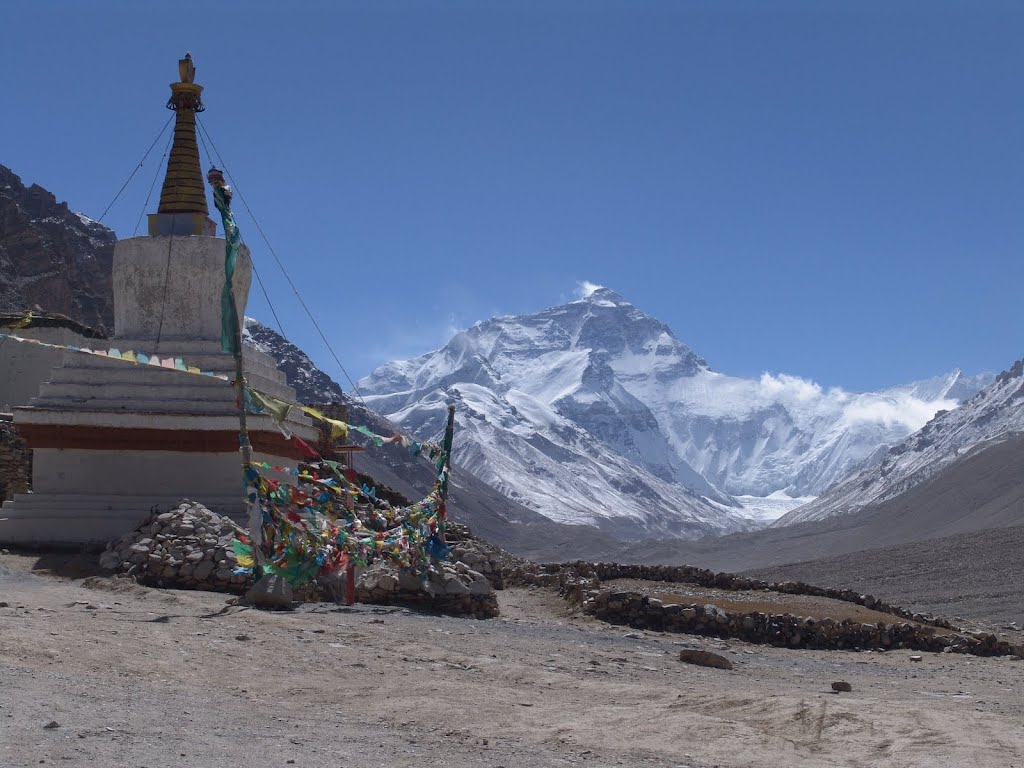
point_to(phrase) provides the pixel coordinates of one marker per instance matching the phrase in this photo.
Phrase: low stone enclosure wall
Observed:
(580, 583)
(190, 547)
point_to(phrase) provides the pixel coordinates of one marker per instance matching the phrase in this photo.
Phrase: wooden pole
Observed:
(350, 585)
(233, 239)
(448, 434)
(245, 448)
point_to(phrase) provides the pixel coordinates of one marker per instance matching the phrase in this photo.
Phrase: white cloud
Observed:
(405, 342)
(906, 410)
(889, 410)
(786, 387)
(585, 288)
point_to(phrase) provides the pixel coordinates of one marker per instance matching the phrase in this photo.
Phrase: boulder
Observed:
(704, 659)
(270, 592)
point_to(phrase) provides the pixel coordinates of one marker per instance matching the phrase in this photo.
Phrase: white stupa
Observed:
(111, 440)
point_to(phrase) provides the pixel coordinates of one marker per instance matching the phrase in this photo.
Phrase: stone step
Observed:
(141, 375)
(178, 346)
(25, 504)
(144, 376)
(65, 415)
(213, 363)
(105, 400)
(200, 407)
(126, 393)
(40, 519)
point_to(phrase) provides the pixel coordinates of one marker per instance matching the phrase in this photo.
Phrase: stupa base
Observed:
(70, 508)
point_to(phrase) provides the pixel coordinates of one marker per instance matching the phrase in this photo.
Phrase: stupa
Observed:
(112, 440)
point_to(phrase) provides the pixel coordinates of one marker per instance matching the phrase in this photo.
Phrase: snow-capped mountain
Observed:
(535, 456)
(994, 414)
(595, 412)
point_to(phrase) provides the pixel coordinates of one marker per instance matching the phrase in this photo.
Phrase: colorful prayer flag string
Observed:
(312, 528)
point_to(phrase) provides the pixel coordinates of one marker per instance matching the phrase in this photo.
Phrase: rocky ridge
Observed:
(52, 257)
(311, 385)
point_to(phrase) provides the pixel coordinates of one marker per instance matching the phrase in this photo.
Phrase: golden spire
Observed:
(183, 195)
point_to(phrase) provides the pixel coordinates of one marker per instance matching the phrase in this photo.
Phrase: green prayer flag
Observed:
(229, 331)
(377, 440)
(277, 408)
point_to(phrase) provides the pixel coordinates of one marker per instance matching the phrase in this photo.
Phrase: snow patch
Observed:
(767, 509)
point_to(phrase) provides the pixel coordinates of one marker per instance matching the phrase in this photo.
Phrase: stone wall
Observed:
(574, 579)
(481, 556)
(170, 287)
(643, 612)
(454, 590)
(15, 462)
(461, 586)
(580, 583)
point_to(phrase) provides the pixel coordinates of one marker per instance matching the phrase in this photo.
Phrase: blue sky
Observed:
(828, 189)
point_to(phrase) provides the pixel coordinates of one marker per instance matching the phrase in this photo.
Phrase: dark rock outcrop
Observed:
(312, 386)
(51, 257)
(15, 462)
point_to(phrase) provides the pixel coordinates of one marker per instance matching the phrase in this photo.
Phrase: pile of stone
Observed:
(453, 589)
(479, 555)
(189, 547)
(461, 586)
(644, 612)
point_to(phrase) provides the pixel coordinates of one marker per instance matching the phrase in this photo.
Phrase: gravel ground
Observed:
(976, 576)
(143, 677)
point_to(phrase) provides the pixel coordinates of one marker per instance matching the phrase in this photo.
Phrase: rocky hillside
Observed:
(53, 257)
(994, 414)
(311, 385)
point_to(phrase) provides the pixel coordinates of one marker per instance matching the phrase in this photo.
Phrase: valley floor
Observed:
(145, 677)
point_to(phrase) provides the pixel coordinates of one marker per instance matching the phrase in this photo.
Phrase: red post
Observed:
(350, 585)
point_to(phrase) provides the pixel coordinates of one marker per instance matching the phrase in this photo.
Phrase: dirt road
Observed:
(141, 677)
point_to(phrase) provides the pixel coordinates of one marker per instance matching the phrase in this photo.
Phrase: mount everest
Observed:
(594, 412)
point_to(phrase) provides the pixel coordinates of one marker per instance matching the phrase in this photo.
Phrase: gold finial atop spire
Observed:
(186, 69)
(183, 195)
